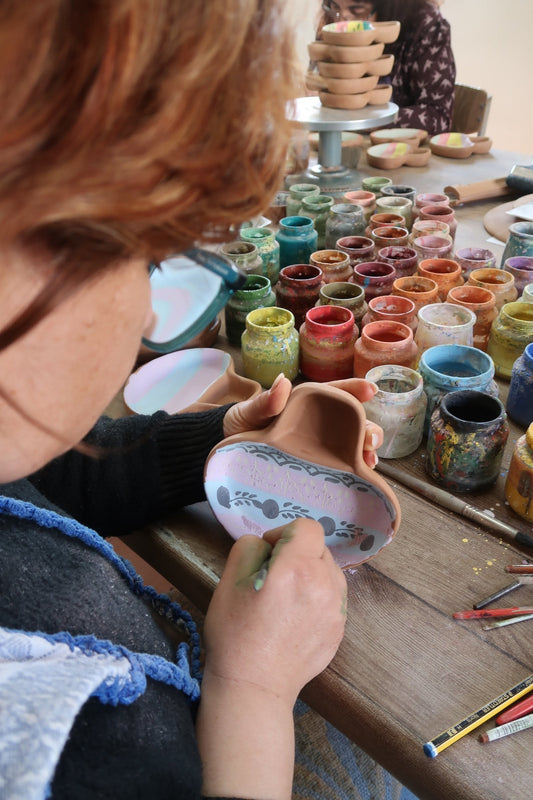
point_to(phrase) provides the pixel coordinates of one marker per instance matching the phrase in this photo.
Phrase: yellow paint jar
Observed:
(519, 482)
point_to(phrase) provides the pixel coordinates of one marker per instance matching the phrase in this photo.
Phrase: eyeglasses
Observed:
(333, 11)
(188, 291)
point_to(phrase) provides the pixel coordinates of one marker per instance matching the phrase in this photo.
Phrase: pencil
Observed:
(519, 569)
(505, 730)
(460, 729)
(519, 709)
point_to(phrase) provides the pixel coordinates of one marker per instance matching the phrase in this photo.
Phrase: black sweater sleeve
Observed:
(142, 468)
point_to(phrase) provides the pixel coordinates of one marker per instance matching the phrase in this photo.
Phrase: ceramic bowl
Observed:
(320, 51)
(380, 66)
(185, 381)
(329, 69)
(380, 95)
(387, 31)
(413, 136)
(350, 85)
(347, 101)
(459, 145)
(349, 33)
(307, 463)
(392, 155)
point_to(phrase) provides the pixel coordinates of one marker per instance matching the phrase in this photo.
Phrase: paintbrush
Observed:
(456, 504)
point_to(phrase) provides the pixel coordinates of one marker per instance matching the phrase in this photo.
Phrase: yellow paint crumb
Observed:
(465, 540)
(490, 563)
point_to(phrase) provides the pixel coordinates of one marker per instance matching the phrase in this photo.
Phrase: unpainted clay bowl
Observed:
(320, 51)
(413, 136)
(392, 155)
(387, 31)
(187, 380)
(350, 85)
(459, 145)
(349, 33)
(349, 101)
(380, 95)
(329, 69)
(307, 463)
(380, 66)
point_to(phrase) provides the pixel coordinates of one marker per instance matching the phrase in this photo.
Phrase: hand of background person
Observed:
(259, 411)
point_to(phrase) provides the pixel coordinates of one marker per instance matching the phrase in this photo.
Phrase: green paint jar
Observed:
(270, 345)
(268, 248)
(256, 293)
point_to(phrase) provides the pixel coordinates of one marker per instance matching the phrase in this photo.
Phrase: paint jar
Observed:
(429, 199)
(474, 258)
(297, 239)
(383, 219)
(298, 289)
(244, 255)
(519, 481)
(466, 440)
(440, 213)
(511, 331)
(398, 407)
(393, 308)
(422, 291)
(335, 265)
(520, 398)
(428, 227)
(403, 259)
(347, 295)
(375, 184)
(527, 294)
(444, 271)
(269, 345)
(297, 192)
(433, 246)
(483, 303)
(498, 281)
(358, 248)
(363, 199)
(268, 248)
(384, 343)
(396, 205)
(451, 368)
(345, 219)
(327, 339)
(375, 277)
(444, 323)
(519, 241)
(256, 293)
(317, 207)
(521, 268)
(390, 235)
(400, 190)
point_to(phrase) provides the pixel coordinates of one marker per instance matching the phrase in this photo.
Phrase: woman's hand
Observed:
(259, 411)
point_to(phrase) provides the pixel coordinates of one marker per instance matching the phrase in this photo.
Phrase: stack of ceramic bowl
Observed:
(350, 63)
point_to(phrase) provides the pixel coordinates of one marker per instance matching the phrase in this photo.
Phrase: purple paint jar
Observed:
(520, 397)
(375, 277)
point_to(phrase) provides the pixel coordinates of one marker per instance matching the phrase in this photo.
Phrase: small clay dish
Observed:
(307, 463)
(380, 95)
(347, 101)
(459, 145)
(350, 85)
(320, 51)
(187, 380)
(380, 66)
(414, 136)
(386, 32)
(328, 69)
(392, 155)
(349, 33)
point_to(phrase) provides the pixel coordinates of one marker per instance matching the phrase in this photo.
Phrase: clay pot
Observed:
(390, 235)
(358, 248)
(375, 277)
(403, 259)
(335, 265)
(317, 440)
(445, 272)
(392, 308)
(421, 291)
(483, 303)
(498, 281)
(384, 342)
(471, 258)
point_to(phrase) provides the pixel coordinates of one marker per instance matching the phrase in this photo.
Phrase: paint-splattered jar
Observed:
(382, 219)
(393, 204)
(256, 293)
(444, 271)
(357, 248)
(335, 265)
(393, 308)
(327, 339)
(422, 291)
(519, 481)
(428, 227)
(268, 248)
(317, 208)
(297, 239)
(269, 345)
(519, 241)
(245, 256)
(521, 268)
(429, 199)
(297, 192)
(298, 289)
(483, 303)
(511, 331)
(345, 219)
(400, 190)
(440, 213)
(398, 407)
(384, 342)
(345, 294)
(403, 259)
(520, 398)
(444, 323)
(473, 258)
(433, 246)
(375, 184)
(375, 278)
(498, 281)
(388, 235)
(363, 199)
(527, 294)
(466, 440)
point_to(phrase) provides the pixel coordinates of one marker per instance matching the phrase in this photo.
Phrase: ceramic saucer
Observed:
(392, 155)
(307, 463)
(459, 145)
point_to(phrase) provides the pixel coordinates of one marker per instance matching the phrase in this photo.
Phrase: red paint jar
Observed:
(298, 289)
(384, 342)
(327, 340)
(375, 277)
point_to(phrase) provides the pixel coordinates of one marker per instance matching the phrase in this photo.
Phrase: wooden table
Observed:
(406, 670)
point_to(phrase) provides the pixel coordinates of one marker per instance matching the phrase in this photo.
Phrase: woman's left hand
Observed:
(259, 411)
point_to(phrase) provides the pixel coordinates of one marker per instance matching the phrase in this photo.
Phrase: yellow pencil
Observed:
(445, 739)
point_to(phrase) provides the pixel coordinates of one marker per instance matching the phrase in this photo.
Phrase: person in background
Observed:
(423, 74)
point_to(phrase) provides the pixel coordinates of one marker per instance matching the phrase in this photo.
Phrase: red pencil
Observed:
(520, 709)
(482, 613)
(520, 569)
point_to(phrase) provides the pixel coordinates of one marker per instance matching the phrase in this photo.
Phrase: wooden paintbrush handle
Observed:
(482, 190)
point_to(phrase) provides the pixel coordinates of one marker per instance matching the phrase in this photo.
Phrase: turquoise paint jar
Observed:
(297, 239)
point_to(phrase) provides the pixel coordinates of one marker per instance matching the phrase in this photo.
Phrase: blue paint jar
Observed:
(297, 239)
(451, 367)
(520, 397)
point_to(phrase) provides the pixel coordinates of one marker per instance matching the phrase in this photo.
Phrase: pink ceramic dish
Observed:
(459, 145)
(307, 463)
(187, 380)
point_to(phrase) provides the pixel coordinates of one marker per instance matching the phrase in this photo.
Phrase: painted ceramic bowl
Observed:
(307, 463)
(185, 381)
(350, 33)
(392, 155)
(320, 51)
(458, 145)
